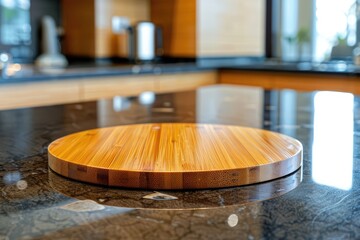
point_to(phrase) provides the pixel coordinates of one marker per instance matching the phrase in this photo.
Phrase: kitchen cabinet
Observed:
(94, 89)
(77, 90)
(38, 93)
(298, 81)
(230, 28)
(78, 21)
(88, 30)
(177, 18)
(191, 28)
(211, 28)
(185, 81)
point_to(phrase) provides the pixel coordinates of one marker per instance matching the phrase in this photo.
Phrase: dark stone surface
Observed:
(319, 201)
(31, 73)
(85, 70)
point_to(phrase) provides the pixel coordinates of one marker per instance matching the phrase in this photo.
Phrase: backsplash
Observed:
(20, 22)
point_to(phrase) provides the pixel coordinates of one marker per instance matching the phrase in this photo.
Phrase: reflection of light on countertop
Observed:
(120, 103)
(332, 162)
(11, 178)
(216, 104)
(83, 206)
(305, 66)
(4, 57)
(147, 98)
(233, 220)
(12, 69)
(22, 185)
(52, 70)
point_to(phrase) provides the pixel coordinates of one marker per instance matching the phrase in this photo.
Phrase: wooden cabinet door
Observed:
(230, 28)
(177, 18)
(211, 28)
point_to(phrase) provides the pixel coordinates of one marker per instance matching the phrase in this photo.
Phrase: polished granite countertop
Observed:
(20, 73)
(31, 73)
(332, 67)
(318, 201)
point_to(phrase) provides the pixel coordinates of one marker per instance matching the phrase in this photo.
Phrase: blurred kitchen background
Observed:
(286, 30)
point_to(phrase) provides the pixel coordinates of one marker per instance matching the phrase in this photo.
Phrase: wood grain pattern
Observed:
(33, 94)
(230, 28)
(109, 44)
(175, 156)
(178, 21)
(106, 87)
(134, 85)
(88, 30)
(211, 28)
(38, 94)
(78, 21)
(184, 82)
(297, 81)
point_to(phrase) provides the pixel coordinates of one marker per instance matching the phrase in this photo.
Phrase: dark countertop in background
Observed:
(319, 201)
(333, 68)
(30, 73)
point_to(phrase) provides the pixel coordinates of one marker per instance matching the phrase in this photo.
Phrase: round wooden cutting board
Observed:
(175, 156)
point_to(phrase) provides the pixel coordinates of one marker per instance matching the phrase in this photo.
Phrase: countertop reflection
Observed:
(320, 200)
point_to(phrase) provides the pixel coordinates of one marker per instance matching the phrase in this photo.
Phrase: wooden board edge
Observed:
(176, 180)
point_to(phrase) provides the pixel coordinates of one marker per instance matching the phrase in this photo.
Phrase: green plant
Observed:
(340, 40)
(302, 36)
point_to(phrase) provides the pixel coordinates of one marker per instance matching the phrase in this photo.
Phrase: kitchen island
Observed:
(318, 201)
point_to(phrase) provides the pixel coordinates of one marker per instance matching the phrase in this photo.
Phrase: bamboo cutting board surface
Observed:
(175, 156)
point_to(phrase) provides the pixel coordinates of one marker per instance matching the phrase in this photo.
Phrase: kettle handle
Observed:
(159, 41)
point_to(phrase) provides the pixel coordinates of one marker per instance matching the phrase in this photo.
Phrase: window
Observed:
(335, 25)
(317, 30)
(15, 22)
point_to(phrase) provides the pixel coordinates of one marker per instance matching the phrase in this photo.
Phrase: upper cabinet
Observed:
(78, 20)
(230, 27)
(211, 28)
(191, 28)
(88, 26)
(177, 18)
